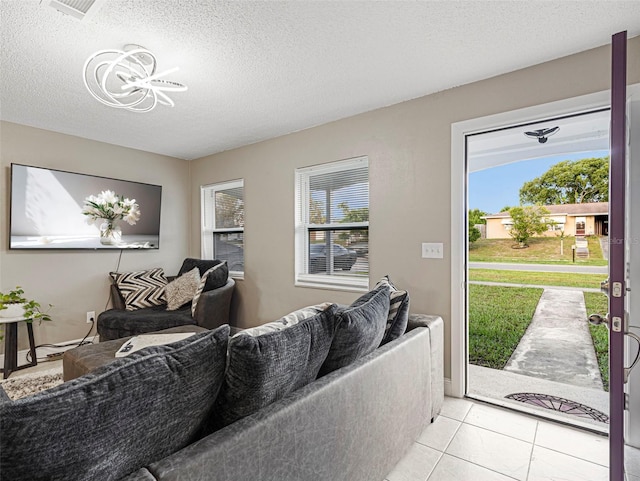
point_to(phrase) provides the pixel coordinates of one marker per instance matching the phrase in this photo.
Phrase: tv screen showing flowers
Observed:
(53, 209)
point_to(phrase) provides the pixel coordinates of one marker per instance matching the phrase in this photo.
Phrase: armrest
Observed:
(213, 306)
(435, 324)
(422, 320)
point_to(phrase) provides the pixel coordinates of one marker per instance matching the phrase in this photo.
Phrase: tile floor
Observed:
(472, 441)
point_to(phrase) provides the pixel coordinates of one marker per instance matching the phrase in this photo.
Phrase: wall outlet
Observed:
(91, 316)
(433, 250)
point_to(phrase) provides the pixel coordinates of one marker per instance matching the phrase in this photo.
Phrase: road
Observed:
(604, 270)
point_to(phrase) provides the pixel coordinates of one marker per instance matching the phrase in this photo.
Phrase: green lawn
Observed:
(599, 303)
(498, 318)
(541, 250)
(537, 278)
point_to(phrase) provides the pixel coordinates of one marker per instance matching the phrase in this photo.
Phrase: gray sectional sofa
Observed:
(173, 412)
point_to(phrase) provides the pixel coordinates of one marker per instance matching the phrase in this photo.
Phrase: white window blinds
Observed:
(332, 224)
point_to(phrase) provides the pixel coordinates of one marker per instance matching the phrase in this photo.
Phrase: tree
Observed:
(475, 216)
(569, 182)
(353, 215)
(474, 232)
(527, 222)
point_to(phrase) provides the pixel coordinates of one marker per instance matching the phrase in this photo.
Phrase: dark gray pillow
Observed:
(218, 278)
(121, 417)
(360, 329)
(262, 369)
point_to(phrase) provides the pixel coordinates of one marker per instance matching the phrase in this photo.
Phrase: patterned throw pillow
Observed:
(203, 283)
(182, 289)
(359, 331)
(398, 311)
(141, 288)
(287, 321)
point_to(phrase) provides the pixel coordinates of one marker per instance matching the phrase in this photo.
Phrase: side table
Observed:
(11, 345)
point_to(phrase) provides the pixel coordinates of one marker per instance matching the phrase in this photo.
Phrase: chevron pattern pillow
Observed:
(141, 288)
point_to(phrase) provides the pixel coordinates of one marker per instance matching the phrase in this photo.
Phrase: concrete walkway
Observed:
(557, 345)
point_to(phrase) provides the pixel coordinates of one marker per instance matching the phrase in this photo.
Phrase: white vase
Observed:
(12, 310)
(110, 233)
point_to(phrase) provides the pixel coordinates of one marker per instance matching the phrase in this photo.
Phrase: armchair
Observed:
(212, 310)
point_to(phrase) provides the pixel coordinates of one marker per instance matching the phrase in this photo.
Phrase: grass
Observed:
(541, 250)
(498, 318)
(567, 279)
(599, 303)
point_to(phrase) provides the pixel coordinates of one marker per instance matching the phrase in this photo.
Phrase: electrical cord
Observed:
(84, 339)
(69, 344)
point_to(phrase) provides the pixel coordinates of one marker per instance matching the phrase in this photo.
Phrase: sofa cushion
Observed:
(398, 311)
(214, 281)
(264, 368)
(141, 288)
(212, 272)
(360, 329)
(106, 424)
(182, 289)
(116, 323)
(287, 321)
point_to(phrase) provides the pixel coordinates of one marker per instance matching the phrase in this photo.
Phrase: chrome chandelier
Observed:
(127, 79)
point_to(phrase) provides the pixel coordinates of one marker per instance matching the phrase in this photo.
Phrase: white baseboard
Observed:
(44, 351)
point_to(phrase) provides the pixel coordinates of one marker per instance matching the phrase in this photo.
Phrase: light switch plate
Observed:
(433, 250)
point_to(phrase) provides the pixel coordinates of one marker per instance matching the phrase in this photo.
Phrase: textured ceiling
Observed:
(256, 70)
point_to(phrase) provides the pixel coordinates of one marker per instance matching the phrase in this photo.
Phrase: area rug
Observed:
(555, 403)
(27, 384)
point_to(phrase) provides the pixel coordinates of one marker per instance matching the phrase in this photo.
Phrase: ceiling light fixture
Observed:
(127, 79)
(542, 134)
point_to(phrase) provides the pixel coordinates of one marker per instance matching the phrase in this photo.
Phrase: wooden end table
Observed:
(11, 345)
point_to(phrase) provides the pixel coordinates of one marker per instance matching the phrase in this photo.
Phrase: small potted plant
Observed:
(14, 304)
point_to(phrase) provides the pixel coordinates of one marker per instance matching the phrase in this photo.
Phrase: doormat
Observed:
(559, 404)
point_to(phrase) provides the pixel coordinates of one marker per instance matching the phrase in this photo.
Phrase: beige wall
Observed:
(76, 281)
(409, 150)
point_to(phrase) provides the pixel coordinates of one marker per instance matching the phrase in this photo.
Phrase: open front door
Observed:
(617, 267)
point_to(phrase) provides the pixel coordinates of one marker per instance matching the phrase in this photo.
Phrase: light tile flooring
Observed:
(476, 442)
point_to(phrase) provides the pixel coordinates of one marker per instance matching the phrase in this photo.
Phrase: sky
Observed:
(492, 189)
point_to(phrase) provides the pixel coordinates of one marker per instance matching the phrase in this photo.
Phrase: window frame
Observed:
(303, 228)
(208, 232)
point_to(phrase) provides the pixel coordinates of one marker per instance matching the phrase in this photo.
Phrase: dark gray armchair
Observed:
(212, 311)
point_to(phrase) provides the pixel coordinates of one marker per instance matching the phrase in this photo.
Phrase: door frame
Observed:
(457, 385)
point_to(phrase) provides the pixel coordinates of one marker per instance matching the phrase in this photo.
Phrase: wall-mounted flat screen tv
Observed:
(53, 209)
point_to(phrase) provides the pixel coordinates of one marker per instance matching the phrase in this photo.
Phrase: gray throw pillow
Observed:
(360, 329)
(182, 289)
(219, 277)
(262, 369)
(121, 417)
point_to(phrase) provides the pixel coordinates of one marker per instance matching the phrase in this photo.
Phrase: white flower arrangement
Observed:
(110, 207)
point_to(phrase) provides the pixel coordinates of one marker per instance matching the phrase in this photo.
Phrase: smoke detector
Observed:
(78, 9)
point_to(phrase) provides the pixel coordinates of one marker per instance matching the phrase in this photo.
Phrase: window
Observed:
(223, 224)
(332, 225)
